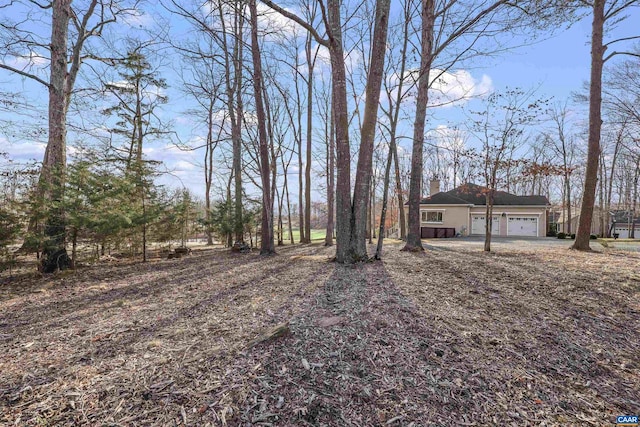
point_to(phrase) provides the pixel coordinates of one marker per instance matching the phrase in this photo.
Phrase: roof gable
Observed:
(622, 217)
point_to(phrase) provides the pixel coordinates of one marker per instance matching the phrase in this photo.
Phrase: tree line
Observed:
(299, 91)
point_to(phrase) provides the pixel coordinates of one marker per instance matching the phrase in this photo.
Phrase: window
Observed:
(431, 216)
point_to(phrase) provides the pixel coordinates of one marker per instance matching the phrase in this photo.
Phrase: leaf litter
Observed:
(455, 337)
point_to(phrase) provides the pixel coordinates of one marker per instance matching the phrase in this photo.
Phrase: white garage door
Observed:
(522, 226)
(624, 232)
(478, 225)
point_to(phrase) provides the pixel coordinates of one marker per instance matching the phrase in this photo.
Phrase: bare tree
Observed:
(500, 128)
(414, 242)
(323, 96)
(311, 56)
(367, 135)
(603, 12)
(563, 144)
(350, 233)
(396, 91)
(65, 59)
(267, 244)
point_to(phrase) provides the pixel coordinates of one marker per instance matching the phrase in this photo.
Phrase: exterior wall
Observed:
(454, 216)
(595, 221)
(459, 216)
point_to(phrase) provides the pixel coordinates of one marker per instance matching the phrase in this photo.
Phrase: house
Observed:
(599, 220)
(461, 211)
(622, 223)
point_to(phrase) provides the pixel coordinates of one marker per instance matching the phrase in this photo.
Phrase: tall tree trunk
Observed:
(301, 193)
(208, 173)
(414, 242)
(601, 194)
(328, 240)
(634, 199)
(595, 125)
(488, 220)
(144, 227)
(236, 113)
(307, 166)
(266, 242)
(369, 213)
(609, 196)
(385, 195)
(372, 214)
(343, 150)
(229, 236)
(273, 167)
(402, 219)
(567, 185)
(285, 168)
(54, 253)
(394, 113)
(365, 157)
(280, 199)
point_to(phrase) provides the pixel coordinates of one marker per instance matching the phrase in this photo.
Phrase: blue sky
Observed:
(559, 65)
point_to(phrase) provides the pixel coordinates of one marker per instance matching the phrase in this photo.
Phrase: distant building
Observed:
(461, 211)
(625, 225)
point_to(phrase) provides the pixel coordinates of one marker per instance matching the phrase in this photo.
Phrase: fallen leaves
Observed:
(525, 337)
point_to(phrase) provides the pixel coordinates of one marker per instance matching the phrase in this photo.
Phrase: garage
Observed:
(522, 226)
(624, 232)
(478, 225)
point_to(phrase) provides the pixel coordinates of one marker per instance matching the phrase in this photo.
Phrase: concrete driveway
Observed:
(504, 243)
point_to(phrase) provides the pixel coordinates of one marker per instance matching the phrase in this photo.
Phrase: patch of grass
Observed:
(611, 239)
(316, 234)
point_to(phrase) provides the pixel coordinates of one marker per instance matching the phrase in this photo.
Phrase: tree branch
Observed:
(24, 74)
(41, 6)
(622, 40)
(612, 54)
(612, 12)
(295, 18)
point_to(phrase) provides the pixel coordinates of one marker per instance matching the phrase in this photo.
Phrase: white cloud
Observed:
(183, 165)
(271, 21)
(166, 152)
(184, 120)
(24, 150)
(448, 138)
(352, 59)
(456, 87)
(448, 88)
(152, 91)
(26, 60)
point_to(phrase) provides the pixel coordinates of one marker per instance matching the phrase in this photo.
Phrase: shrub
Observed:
(593, 237)
(562, 235)
(573, 235)
(551, 233)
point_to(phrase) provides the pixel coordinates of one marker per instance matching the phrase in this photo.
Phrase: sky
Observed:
(557, 65)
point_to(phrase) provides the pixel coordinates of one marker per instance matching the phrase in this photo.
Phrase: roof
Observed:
(472, 194)
(622, 217)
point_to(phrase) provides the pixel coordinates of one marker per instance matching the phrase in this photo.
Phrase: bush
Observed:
(573, 235)
(562, 235)
(551, 233)
(593, 237)
(9, 230)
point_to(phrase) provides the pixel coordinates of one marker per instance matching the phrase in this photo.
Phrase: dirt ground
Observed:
(451, 336)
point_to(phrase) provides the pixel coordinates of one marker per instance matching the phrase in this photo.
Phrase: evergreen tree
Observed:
(139, 93)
